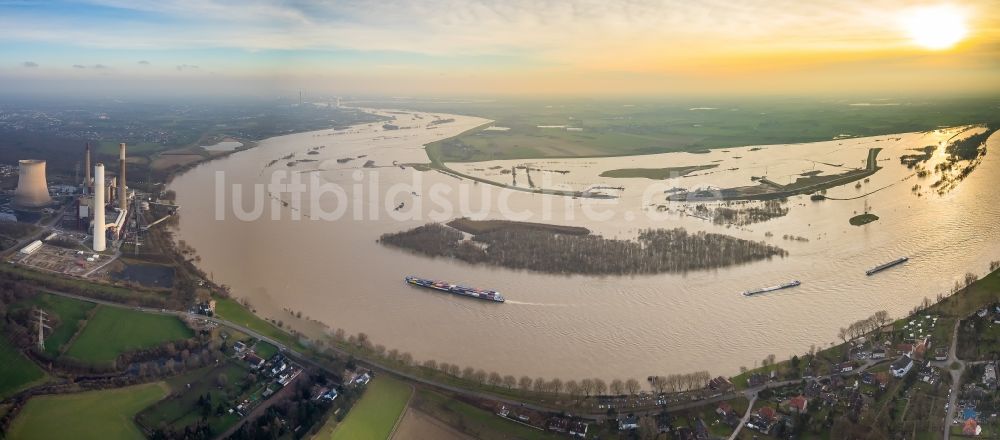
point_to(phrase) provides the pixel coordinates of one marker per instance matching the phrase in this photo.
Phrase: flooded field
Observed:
(587, 326)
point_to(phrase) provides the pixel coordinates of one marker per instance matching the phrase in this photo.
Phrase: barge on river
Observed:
(885, 266)
(787, 285)
(489, 295)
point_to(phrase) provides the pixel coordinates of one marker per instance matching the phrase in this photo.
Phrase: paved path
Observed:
(746, 417)
(956, 379)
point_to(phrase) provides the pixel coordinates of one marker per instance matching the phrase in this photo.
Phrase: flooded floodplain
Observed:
(575, 326)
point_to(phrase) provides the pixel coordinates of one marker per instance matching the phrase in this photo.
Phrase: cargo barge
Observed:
(787, 285)
(885, 266)
(489, 295)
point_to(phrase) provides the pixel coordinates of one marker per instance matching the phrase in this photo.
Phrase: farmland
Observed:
(609, 128)
(375, 415)
(16, 371)
(105, 414)
(476, 422)
(64, 315)
(188, 405)
(113, 331)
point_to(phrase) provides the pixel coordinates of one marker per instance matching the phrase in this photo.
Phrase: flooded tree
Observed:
(653, 251)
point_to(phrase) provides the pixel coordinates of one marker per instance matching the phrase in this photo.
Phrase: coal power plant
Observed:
(32, 189)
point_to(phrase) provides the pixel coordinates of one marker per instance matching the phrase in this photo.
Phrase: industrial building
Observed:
(32, 189)
(31, 247)
(108, 202)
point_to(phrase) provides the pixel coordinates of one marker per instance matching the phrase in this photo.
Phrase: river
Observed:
(573, 327)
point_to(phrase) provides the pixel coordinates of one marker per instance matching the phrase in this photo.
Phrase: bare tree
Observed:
(600, 387)
(468, 373)
(572, 388)
(524, 383)
(453, 370)
(556, 386)
(617, 387)
(632, 385)
(539, 384)
(509, 381)
(495, 379)
(481, 376)
(587, 387)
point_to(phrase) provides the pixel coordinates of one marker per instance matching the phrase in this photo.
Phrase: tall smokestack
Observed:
(99, 224)
(122, 193)
(87, 183)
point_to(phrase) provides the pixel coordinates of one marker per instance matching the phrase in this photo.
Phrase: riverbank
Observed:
(336, 273)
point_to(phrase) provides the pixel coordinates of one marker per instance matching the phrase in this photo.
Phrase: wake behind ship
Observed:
(490, 295)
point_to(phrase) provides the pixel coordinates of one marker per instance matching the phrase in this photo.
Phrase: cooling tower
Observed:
(122, 191)
(32, 190)
(87, 183)
(99, 224)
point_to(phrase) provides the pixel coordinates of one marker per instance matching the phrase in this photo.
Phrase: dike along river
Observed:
(573, 327)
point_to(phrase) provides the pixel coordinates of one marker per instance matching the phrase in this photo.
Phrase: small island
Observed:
(572, 250)
(655, 173)
(863, 219)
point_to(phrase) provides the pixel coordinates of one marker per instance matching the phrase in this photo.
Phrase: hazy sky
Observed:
(455, 47)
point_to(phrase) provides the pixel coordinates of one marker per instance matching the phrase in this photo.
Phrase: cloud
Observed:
(30, 64)
(79, 66)
(183, 67)
(144, 62)
(99, 66)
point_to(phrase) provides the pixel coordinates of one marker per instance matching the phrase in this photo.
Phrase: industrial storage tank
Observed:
(32, 189)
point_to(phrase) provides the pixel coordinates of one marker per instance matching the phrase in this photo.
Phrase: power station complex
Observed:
(102, 203)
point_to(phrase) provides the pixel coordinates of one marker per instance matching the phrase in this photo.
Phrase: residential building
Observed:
(901, 366)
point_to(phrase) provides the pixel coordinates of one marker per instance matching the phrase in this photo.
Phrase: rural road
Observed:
(379, 367)
(746, 417)
(458, 390)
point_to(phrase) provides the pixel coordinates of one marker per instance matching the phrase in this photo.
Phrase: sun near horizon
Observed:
(935, 27)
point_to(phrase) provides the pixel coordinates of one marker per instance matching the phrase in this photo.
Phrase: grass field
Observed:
(85, 288)
(611, 128)
(69, 313)
(376, 413)
(233, 311)
(16, 371)
(265, 350)
(113, 331)
(183, 410)
(474, 421)
(105, 414)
